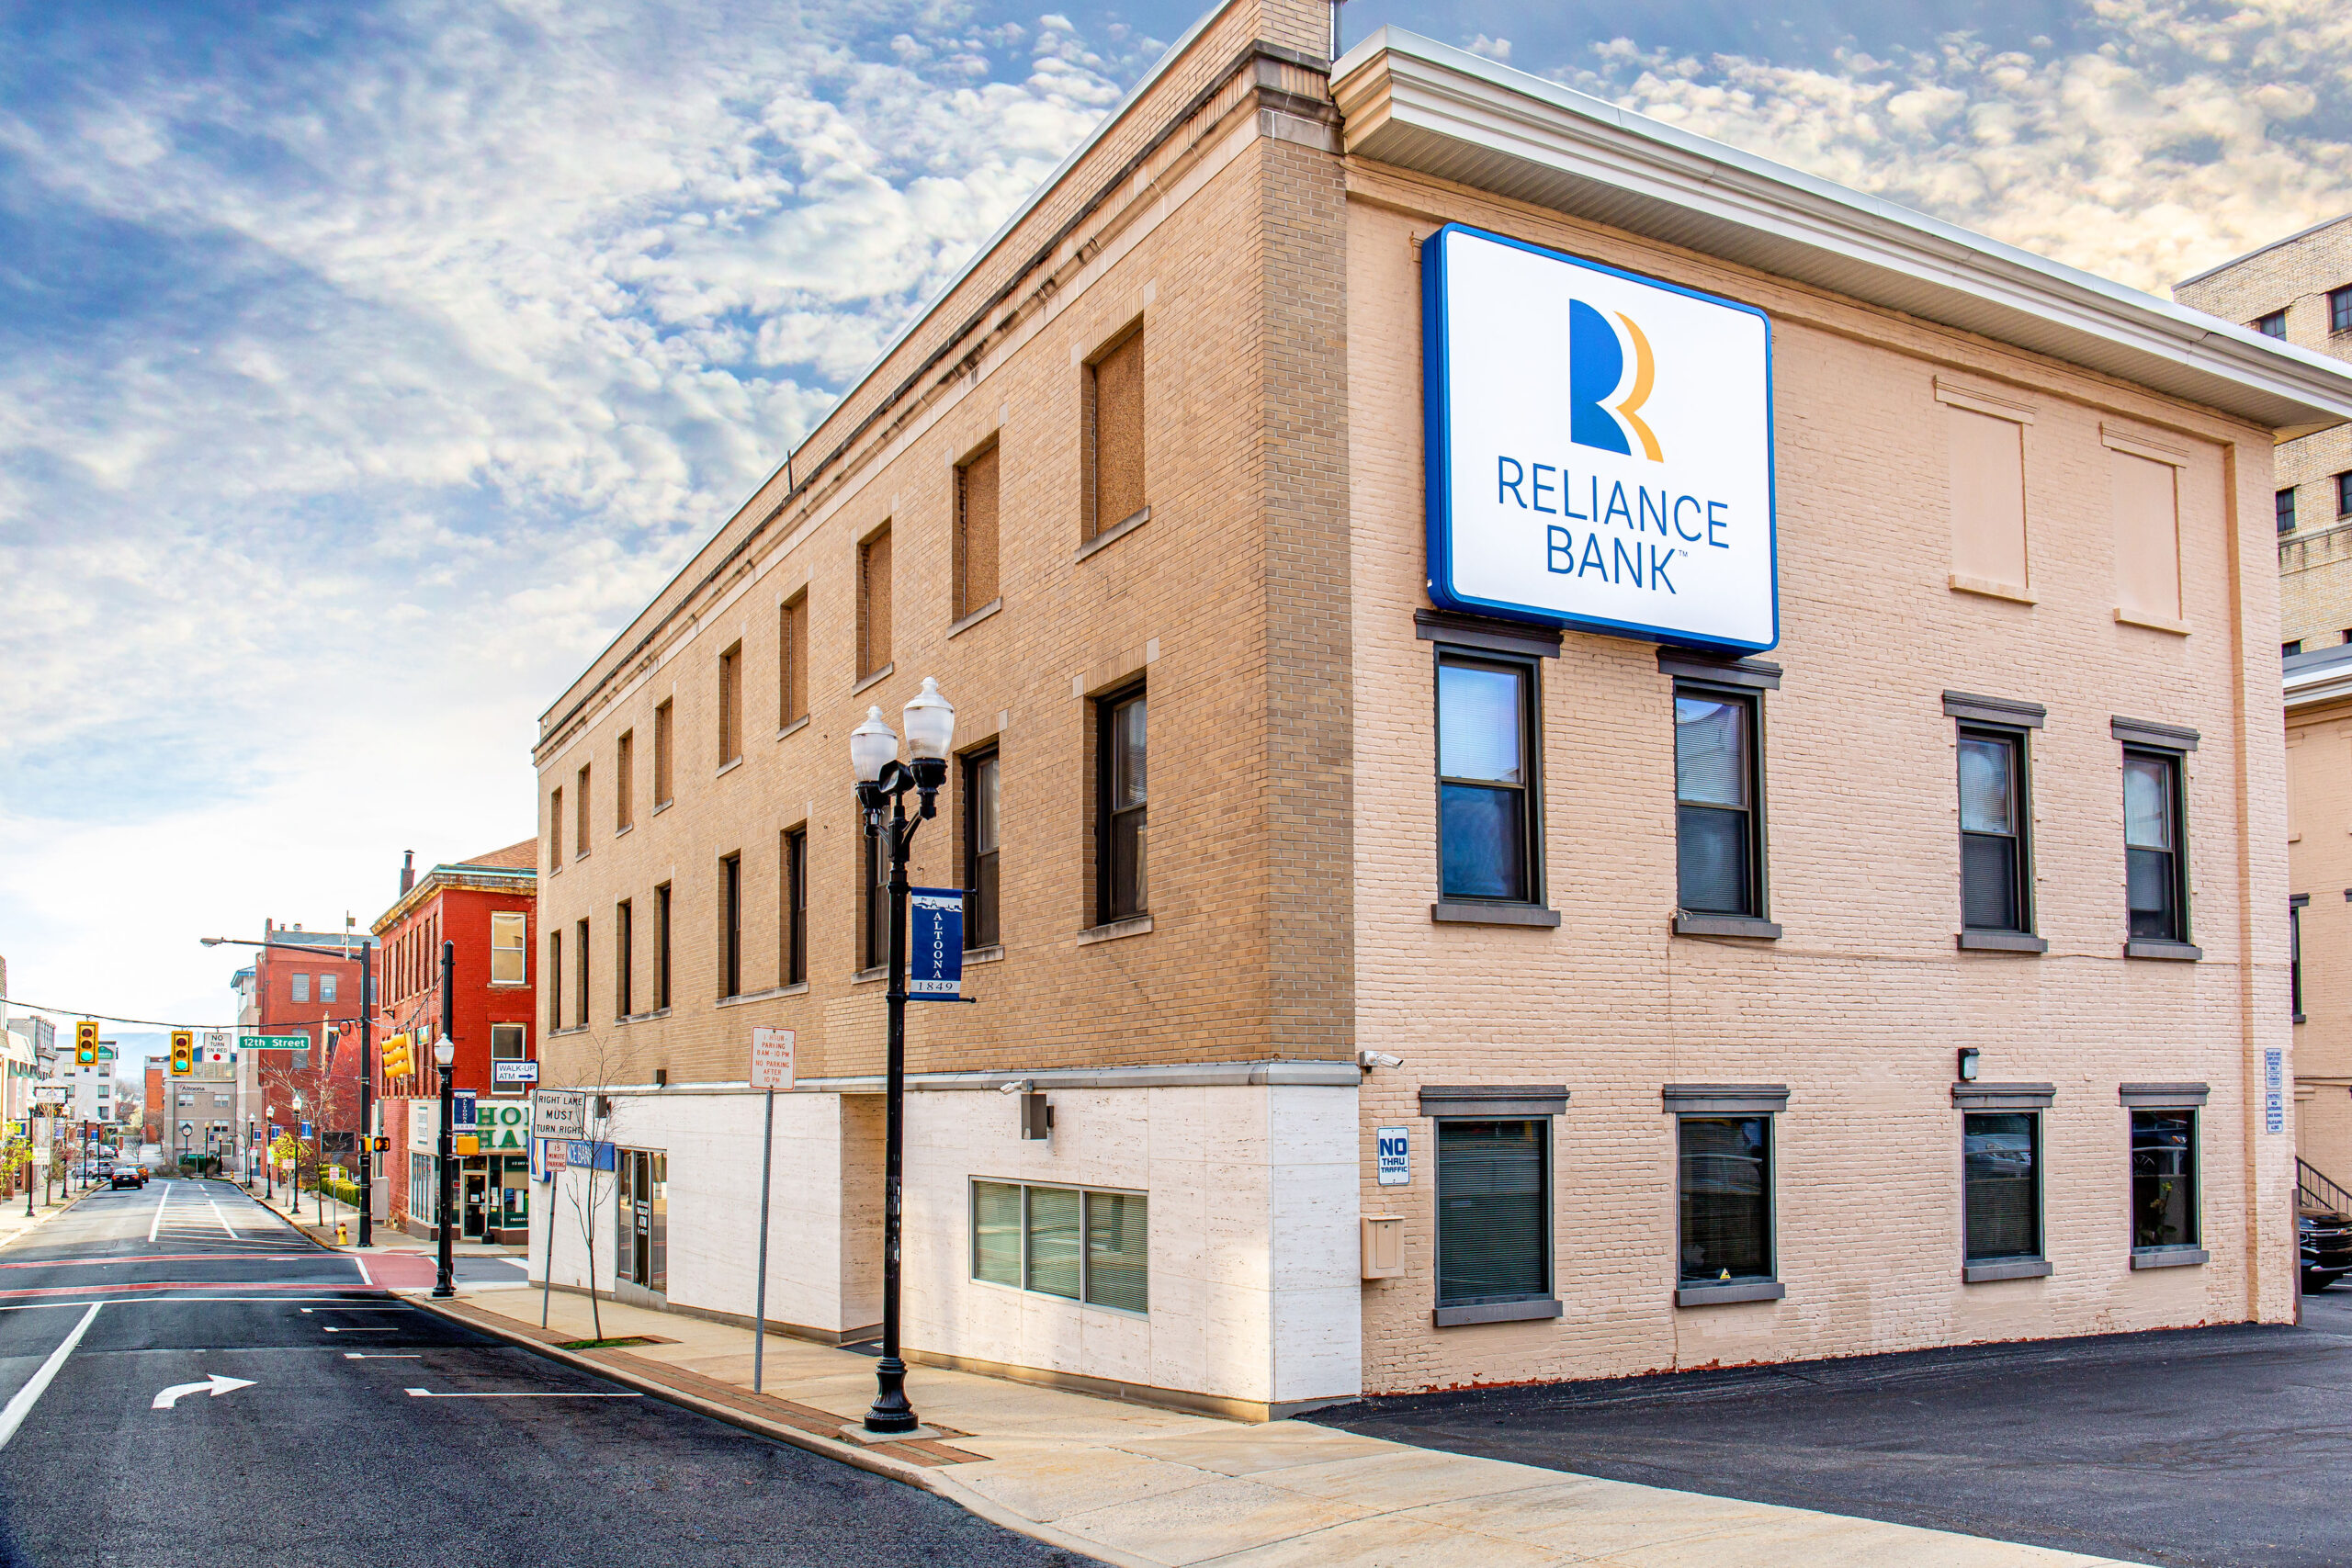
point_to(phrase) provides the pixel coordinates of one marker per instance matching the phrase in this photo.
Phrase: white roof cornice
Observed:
(1421, 105)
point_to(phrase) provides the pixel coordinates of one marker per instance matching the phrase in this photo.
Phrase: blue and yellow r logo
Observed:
(1596, 365)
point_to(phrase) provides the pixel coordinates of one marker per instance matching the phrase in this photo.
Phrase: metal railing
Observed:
(2315, 1190)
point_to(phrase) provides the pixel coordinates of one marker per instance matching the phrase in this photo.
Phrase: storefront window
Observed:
(2163, 1179)
(1078, 1243)
(2001, 1175)
(1727, 1198)
(1494, 1213)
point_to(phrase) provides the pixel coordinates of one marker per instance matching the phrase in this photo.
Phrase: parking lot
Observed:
(2208, 1447)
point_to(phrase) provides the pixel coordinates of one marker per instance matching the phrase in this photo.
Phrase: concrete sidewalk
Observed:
(385, 1237)
(1146, 1488)
(13, 1223)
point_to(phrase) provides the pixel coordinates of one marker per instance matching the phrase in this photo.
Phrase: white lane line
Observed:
(383, 1355)
(428, 1393)
(307, 1311)
(224, 1221)
(17, 1408)
(162, 1301)
(363, 1267)
(158, 1220)
(332, 1329)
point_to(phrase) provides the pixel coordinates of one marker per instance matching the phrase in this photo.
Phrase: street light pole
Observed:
(883, 782)
(367, 1094)
(445, 1053)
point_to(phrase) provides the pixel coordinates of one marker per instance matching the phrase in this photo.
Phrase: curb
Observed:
(926, 1478)
(41, 1219)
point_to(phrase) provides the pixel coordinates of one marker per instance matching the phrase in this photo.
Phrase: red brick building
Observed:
(486, 907)
(307, 983)
(151, 1114)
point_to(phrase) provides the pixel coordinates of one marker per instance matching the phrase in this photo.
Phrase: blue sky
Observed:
(364, 365)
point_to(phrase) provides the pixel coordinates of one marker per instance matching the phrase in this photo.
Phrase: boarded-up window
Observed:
(2147, 537)
(661, 750)
(555, 831)
(730, 705)
(975, 490)
(580, 812)
(624, 782)
(792, 662)
(1988, 500)
(1112, 445)
(874, 603)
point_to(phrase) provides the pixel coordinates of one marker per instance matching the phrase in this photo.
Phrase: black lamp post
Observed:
(882, 784)
(445, 1055)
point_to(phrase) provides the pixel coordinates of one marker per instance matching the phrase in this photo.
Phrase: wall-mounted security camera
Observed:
(1369, 1059)
(1018, 1085)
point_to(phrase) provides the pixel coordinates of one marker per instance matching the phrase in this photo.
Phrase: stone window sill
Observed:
(795, 728)
(1730, 1291)
(510, 984)
(1990, 589)
(560, 1034)
(661, 806)
(2003, 1268)
(1469, 914)
(879, 972)
(984, 954)
(1687, 924)
(625, 827)
(727, 768)
(976, 617)
(635, 1018)
(2001, 941)
(2168, 1256)
(2178, 951)
(2153, 623)
(769, 995)
(1112, 535)
(882, 674)
(1139, 925)
(1495, 1311)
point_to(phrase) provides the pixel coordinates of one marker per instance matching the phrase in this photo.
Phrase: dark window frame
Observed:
(624, 957)
(2296, 904)
(873, 903)
(2040, 1215)
(2344, 493)
(983, 895)
(2021, 816)
(1759, 883)
(2177, 765)
(2196, 1173)
(793, 961)
(731, 925)
(2282, 505)
(662, 901)
(1108, 903)
(1022, 1261)
(1530, 670)
(2339, 310)
(2271, 324)
(580, 977)
(1549, 1290)
(1771, 1198)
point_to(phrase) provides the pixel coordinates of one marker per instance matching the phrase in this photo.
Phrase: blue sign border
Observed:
(1437, 456)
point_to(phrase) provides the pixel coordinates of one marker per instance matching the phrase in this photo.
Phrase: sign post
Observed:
(556, 1114)
(771, 1070)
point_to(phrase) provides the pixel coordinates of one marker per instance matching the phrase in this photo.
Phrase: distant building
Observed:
(2299, 289)
(486, 907)
(307, 983)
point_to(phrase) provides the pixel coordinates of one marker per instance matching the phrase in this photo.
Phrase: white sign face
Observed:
(1599, 447)
(513, 1072)
(772, 1058)
(1393, 1156)
(559, 1114)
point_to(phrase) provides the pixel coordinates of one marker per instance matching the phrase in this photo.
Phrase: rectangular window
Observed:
(2339, 310)
(792, 662)
(624, 782)
(874, 603)
(2271, 325)
(1111, 439)
(2001, 1181)
(579, 815)
(301, 984)
(555, 981)
(1121, 854)
(1994, 895)
(662, 948)
(624, 960)
(662, 726)
(1726, 1198)
(980, 774)
(2163, 1179)
(976, 492)
(1719, 857)
(505, 1045)
(730, 705)
(1987, 497)
(2295, 953)
(874, 906)
(2147, 503)
(794, 961)
(730, 926)
(2154, 866)
(506, 949)
(555, 831)
(2344, 493)
(580, 980)
(2290, 648)
(1493, 1212)
(326, 987)
(1487, 831)
(1078, 1244)
(2284, 501)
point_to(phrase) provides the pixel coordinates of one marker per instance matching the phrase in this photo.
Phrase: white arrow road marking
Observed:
(331, 1329)
(12, 1416)
(428, 1393)
(216, 1385)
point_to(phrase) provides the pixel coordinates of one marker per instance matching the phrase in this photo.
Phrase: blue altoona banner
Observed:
(935, 943)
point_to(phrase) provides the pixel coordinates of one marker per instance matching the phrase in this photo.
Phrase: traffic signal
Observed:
(397, 1062)
(85, 1042)
(182, 1052)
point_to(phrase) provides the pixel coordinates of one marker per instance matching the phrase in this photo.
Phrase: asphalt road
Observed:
(362, 1430)
(2209, 1448)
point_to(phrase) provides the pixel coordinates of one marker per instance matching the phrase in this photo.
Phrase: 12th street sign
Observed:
(274, 1042)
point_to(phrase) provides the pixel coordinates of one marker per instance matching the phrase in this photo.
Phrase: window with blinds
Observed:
(975, 532)
(1080, 1244)
(1493, 1212)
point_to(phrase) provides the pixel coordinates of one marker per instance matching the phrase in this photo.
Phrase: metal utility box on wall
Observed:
(1383, 1246)
(1037, 1116)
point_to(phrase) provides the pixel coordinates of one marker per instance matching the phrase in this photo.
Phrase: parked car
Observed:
(129, 1176)
(2326, 1238)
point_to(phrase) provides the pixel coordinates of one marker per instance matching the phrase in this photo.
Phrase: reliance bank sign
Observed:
(1599, 447)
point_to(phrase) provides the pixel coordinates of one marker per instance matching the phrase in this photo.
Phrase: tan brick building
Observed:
(2298, 289)
(1486, 996)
